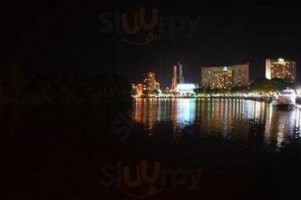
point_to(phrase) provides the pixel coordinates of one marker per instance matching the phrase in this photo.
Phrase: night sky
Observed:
(52, 35)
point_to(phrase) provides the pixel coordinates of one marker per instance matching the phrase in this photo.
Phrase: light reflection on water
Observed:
(228, 118)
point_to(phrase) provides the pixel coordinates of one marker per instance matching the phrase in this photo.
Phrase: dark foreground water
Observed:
(159, 149)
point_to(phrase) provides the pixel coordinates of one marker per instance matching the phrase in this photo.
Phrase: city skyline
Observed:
(174, 71)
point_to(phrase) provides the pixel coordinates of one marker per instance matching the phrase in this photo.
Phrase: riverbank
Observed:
(262, 99)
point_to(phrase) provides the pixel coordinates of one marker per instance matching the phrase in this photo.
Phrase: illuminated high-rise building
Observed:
(225, 77)
(139, 89)
(150, 85)
(181, 76)
(282, 69)
(178, 77)
(174, 81)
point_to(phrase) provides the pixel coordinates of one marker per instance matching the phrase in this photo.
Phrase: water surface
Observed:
(229, 119)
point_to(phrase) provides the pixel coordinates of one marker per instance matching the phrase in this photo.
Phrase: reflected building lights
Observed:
(297, 118)
(139, 110)
(161, 109)
(238, 117)
(225, 123)
(186, 109)
(279, 125)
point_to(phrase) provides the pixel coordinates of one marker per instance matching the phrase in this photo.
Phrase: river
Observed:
(235, 119)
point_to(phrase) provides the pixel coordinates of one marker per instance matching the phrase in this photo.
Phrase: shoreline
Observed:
(265, 99)
(260, 99)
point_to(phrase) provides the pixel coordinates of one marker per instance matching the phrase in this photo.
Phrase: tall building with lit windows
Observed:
(225, 77)
(280, 68)
(150, 84)
(139, 89)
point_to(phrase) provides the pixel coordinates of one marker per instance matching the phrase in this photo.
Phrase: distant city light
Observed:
(185, 88)
(281, 60)
(225, 69)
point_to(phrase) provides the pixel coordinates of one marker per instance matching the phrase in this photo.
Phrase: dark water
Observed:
(247, 149)
(242, 149)
(228, 119)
